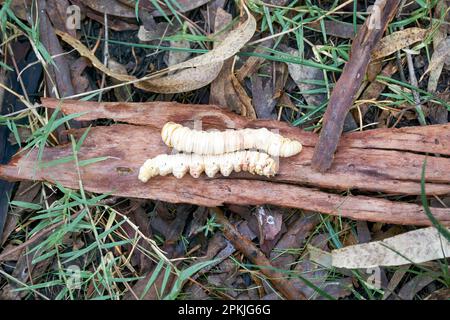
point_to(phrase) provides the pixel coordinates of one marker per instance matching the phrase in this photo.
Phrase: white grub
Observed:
(179, 164)
(188, 140)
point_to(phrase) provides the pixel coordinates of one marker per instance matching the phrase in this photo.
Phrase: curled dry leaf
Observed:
(295, 237)
(183, 81)
(225, 90)
(396, 41)
(414, 286)
(416, 246)
(440, 54)
(192, 74)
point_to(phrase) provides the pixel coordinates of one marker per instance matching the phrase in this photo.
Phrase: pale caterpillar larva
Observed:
(219, 142)
(179, 164)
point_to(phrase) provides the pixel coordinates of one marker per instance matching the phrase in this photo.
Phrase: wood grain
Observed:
(128, 145)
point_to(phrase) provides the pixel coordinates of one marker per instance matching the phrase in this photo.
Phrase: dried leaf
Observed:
(297, 233)
(183, 81)
(114, 23)
(396, 41)
(266, 91)
(441, 294)
(79, 78)
(374, 90)
(413, 286)
(250, 66)
(440, 54)
(395, 281)
(151, 30)
(211, 11)
(302, 75)
(235, 40)
(57, 13)
(192, 74)
(316, 274)
(246, 103)
(270, 223)
(112, 7)
(436, 112)
(183, 6)
(58, 75)
(21, 8)
(411, 247)
(225, 89)
(222, 91)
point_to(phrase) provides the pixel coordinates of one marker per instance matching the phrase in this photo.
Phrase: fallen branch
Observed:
(358, 166)
(360, 163)
(429, 139)
(350, 81)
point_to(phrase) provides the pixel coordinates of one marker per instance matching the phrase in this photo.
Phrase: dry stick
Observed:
(413, 81)
(249, 249)
(350, 81)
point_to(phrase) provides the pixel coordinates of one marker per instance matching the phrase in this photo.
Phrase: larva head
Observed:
(290, 148)
(167, 131)
(180, 166)
(196, 167)
(226, 166)
(148, 170)
(211, 166)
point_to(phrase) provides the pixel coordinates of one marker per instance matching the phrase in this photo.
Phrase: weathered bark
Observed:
(349, 82)
(356, 166)
(431, 139)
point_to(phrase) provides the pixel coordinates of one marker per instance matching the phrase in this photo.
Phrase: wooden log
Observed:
(431, 139)
(127, 146)
(357, 166)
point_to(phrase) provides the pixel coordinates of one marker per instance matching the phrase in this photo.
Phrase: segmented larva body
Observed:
(179, 164)
(219, 142)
